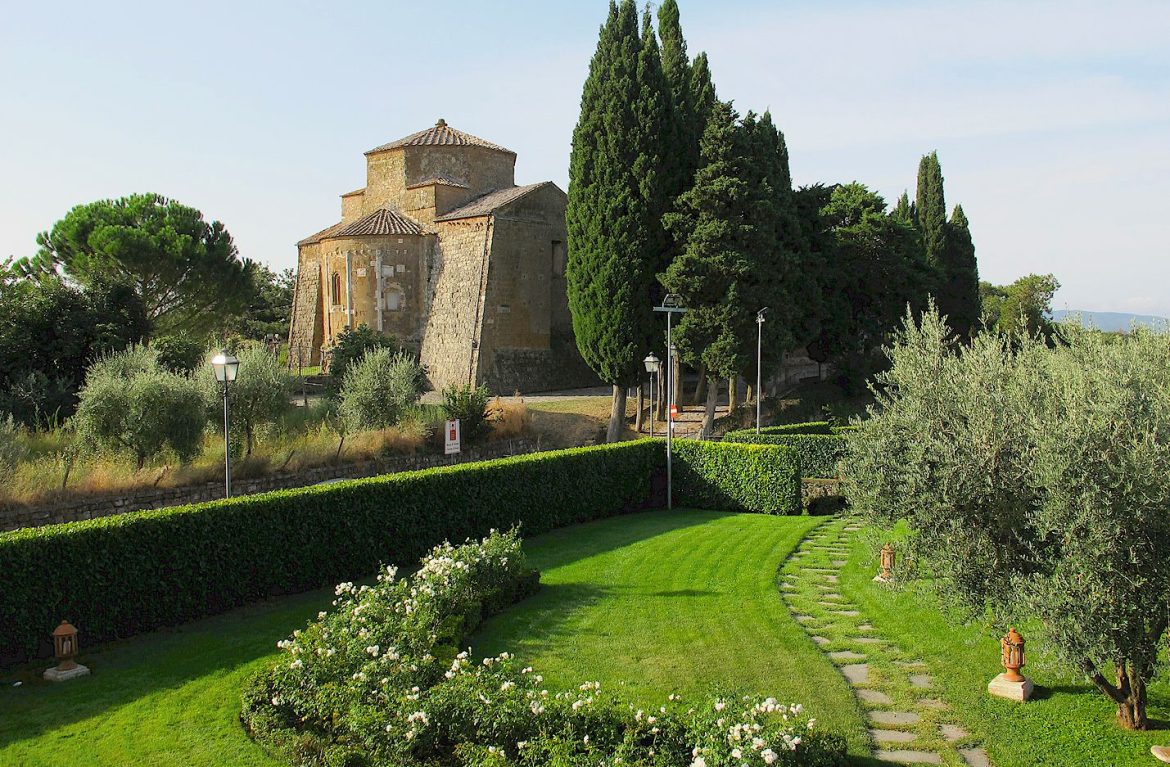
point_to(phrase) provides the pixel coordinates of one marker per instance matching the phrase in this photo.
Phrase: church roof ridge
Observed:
(381, 221)
(488, 203)
(440, 135)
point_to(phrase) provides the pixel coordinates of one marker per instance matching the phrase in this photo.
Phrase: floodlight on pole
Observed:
(226, 368)
(759, 362)
(671, 305)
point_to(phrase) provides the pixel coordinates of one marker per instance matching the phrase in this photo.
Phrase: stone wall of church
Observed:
(460, 262)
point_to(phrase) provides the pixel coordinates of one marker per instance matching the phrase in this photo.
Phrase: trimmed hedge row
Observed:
(720, 475)
(819, 446)
(135, 572)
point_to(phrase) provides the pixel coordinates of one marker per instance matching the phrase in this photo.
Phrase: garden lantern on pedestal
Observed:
(65, 649)
(653, 366)
(888, 557)
(1011, 684)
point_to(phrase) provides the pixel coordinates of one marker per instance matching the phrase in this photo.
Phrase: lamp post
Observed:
(653, 365)
(226, 366)
(670, 306)
(759, 361)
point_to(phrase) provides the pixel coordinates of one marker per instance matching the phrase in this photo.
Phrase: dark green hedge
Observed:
(121, 575)
(720, 475)
(819, 445)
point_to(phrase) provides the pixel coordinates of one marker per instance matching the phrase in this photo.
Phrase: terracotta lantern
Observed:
(65, 646)
(1012, 651)
(887, 562)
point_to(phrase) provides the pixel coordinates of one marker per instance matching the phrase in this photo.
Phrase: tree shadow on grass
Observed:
(127, 670)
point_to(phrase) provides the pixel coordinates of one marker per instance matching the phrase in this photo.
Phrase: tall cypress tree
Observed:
(711, 273)
(931, 210)
(961, 291)
(905, 211)
(613, 214)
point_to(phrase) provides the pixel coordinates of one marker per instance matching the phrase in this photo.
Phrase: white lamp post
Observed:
(226, 367)
(670, 306)
(653, 366)
(759, 362)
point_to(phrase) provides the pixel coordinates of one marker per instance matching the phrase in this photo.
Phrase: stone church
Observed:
(443, 251)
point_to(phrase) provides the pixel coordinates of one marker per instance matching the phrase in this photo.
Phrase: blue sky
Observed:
(1051, 119)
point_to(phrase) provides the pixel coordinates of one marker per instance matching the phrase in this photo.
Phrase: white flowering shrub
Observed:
(380, 681)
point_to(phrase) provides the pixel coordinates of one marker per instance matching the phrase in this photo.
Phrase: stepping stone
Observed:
(953, 732)
(846, 655)
(864, 627)
(875, 696)
(975, 757)
(830, 578)
(856, 673)
(910, 663)
(922, 680)
(902, 756)
(892, 736)
(896, 718)
(804, 618)
(868, 640)
(932, 703)
(786, 586)
(832, 596)
(838, 563)
(846, 613)
(822, 641)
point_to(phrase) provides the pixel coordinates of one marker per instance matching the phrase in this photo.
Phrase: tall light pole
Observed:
(653, 367)
(670, 306)
(226, 367)
(759, 362)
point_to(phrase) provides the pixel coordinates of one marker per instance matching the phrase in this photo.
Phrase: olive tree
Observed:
(1034, 483)
(130, 403)
(259, 395)
(379, 388)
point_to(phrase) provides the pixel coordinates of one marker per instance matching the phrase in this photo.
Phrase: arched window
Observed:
(335, 283)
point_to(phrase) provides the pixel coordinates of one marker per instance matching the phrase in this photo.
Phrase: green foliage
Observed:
(379, 390)
(1034, 482)
(12, 447)
(351, 346)
(50, 332)
(259, 395)
(147, 569)
(616, 198)
(269, 304)
(178, 354)
(931, 211)
(381, 680)
(129, 403)
(716, 475)
(818, 454)
(960, 292)
(186, 271)
(469, 405)
(1022, 308)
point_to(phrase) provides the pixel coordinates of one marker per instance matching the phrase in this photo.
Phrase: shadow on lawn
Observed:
(129, 669)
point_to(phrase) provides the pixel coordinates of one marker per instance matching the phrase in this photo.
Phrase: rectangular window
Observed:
(558, 258)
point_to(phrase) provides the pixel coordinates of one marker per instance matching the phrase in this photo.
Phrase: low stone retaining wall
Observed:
(90, 507)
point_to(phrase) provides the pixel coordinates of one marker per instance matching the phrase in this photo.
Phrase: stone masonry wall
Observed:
(305, 332)
(14, 517)
(461, 262)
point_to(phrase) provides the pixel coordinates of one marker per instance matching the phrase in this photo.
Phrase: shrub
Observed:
(12, 447)
(130, 404)
(379, 389)
(380, 681)
(718, 475)
(259, 396)
(121, 575)
(350, 347)
(178, 354)
(819, 446)
(470, 406)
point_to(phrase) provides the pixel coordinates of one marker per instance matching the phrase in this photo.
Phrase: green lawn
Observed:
(673, 602)
(169, 698)
(1068, 723)
(647, 604)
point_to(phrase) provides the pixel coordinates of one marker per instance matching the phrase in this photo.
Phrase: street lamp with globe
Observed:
(226, 367)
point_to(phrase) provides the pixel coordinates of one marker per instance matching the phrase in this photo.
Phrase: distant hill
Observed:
(1111, 322)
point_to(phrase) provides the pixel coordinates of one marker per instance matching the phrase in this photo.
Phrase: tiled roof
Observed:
(485, 205)
(381, 221)
(356, 191)
(313, 239)
(439, 180)
(440, 135)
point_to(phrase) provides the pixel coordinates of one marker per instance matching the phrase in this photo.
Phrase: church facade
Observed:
(442, 250)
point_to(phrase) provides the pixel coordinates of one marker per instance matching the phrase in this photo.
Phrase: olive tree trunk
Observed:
(1129, 693)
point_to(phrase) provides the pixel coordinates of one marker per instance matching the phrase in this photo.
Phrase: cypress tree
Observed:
(614, 206)
(711, 273)
(931, 210)
(905, 211)
(961, 291)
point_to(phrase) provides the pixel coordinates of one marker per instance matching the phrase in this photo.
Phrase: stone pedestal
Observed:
(1161, 753)
(879, 578)
(1003, 687)
(56, 675)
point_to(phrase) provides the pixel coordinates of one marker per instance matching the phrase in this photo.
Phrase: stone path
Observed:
(909, 723)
